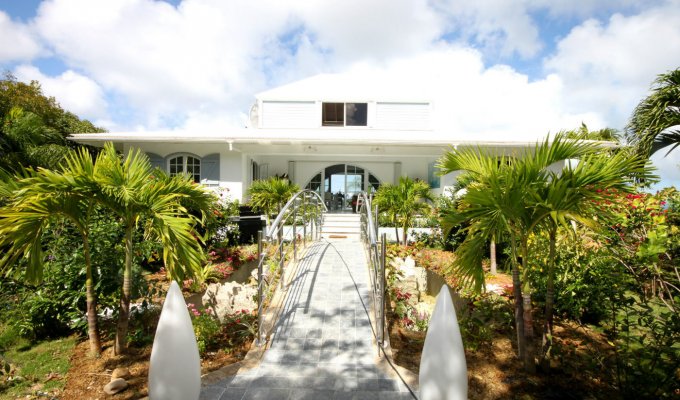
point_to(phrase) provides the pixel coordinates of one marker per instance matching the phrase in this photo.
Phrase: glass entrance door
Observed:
(339, 185)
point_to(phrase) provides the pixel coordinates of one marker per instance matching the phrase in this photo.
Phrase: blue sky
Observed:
(545, 65)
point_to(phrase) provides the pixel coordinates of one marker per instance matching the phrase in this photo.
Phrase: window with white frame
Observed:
(186, 164)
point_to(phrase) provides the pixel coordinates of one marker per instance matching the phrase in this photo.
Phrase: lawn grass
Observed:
(34, 363)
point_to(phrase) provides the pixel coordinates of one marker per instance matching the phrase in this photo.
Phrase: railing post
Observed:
(375, 221)
(304, 220)
(383, 292)
(260, 287)
(294, 233)
(280, 237)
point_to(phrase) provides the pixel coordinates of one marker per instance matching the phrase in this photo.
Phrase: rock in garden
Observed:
(414, 279)
(115, 386)
(120, 373)
(230, 297)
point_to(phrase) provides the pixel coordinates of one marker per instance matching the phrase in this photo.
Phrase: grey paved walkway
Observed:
(323, 344)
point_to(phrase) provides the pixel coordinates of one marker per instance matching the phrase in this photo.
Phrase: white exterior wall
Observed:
(232, 171)
(380, 115)
(402, 115)
(290, 114)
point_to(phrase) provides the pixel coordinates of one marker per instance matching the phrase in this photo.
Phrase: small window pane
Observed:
(356, 114)
(176, 166)
(194, 168)
(333, 114)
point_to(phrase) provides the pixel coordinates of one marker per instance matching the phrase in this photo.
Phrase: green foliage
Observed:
(33, 127)
(269, 196)
(648, 127)
(585, 275)
(606, 134)
(220, 230)
(403, 201)
(57, 306)
(483, 316)
(207, 328)
(233, 331)
(239, 327)
(647, 338)
(624, 278)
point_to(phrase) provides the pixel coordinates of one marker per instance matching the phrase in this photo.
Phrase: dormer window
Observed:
(344, 114)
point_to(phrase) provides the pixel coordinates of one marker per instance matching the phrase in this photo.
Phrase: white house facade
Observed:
(324, 133)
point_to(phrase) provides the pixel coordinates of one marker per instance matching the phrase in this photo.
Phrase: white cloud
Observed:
(499, 26)
(165, 60)
(16, 41)
(371, 30)
(74, 92)
(609, 66)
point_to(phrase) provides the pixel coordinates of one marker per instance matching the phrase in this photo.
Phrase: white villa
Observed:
(325, 133)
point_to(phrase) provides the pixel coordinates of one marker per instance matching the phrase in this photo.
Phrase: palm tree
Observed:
(25, 141)
(135, 192)
(567, 199)
(269, 196)
(404, 201)
(34, 201)
(651, 125)
(583, 133)
(386, 199)
(516, 198)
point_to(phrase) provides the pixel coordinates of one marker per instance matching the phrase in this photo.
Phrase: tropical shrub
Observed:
(585, 275)
(484, 315)
(624, 278)
(269, 196)
(207, 328)
(240, 327)
(219, 229)
(57, 306)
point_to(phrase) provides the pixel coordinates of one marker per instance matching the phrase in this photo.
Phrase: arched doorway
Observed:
(338, 183)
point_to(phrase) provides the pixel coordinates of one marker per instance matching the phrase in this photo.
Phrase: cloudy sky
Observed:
(514, 68)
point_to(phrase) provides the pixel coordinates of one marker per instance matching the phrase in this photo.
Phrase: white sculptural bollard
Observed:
(175, 367)
(443, 370)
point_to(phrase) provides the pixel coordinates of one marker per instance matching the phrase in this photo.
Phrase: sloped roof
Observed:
(349, 87)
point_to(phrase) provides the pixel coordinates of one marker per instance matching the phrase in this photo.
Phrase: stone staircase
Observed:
(341, 226)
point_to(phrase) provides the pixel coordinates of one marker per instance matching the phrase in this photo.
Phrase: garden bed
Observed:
(87, 375)
(494, 371)
(580, 366)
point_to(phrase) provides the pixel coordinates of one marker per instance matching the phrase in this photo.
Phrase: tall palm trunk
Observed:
(124, 313)
(91, 298)
(492, 256)
(529, 363)
(396, 229)
(519, 308)
(549, 297)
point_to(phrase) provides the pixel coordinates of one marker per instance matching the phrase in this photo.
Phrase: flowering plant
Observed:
(207, 327)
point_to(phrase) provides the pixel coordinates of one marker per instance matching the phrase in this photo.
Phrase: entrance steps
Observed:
(341, 226)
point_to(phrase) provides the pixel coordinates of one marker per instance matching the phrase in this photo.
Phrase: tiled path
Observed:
(323, 344)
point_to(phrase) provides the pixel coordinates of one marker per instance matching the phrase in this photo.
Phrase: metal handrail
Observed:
(300, 203)
(376, 256)
(291, 203)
